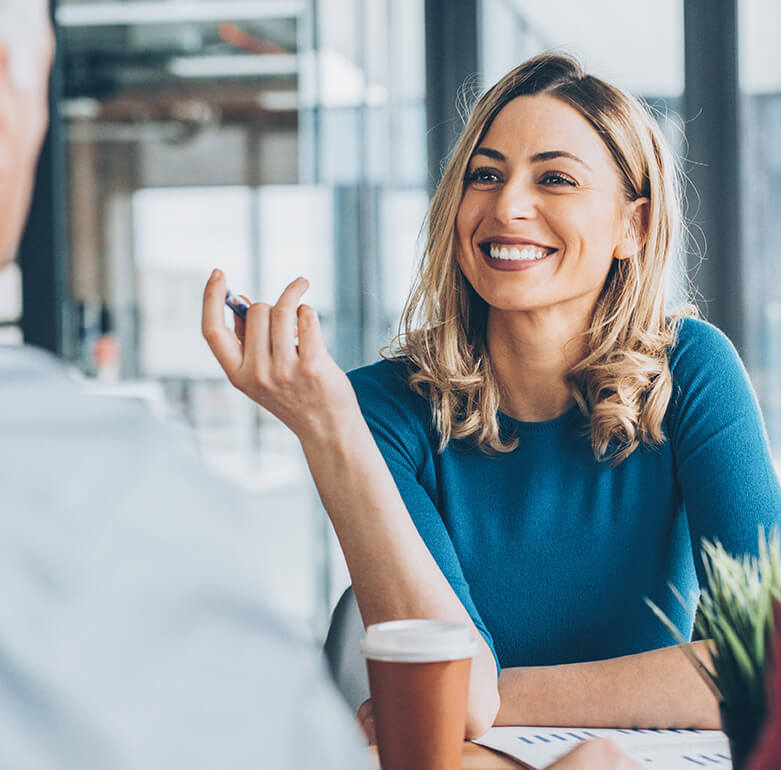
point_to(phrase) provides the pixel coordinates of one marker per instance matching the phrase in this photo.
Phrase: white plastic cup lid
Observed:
(418, 641)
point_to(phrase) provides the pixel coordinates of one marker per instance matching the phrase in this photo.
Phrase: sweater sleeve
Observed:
(723, 462)
(396, 418)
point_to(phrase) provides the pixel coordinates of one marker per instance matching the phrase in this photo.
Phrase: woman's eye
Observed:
(482, 176)
(558, 180)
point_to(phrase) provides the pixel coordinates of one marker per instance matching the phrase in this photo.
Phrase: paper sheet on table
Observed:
(536, 747)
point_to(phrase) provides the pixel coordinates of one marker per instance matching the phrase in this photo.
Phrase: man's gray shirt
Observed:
(133, 632)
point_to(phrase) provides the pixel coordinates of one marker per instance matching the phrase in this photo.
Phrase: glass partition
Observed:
(760, 136)
(639, 48)
(271, 139)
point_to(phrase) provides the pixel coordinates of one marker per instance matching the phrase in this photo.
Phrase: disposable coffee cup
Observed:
(419, 682)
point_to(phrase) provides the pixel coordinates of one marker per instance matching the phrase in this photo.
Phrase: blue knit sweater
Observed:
(551, 552)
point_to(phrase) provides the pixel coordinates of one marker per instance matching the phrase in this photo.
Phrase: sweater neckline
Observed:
(556, 423)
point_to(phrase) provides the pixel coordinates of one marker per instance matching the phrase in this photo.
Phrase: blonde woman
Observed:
(545, 448)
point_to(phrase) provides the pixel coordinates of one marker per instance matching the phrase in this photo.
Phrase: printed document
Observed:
(536, 747)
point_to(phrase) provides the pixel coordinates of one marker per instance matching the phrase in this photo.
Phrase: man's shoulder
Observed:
(41, 397)
(26, 365)
(59, 435)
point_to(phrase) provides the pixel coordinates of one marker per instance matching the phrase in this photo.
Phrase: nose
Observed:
(515, 200)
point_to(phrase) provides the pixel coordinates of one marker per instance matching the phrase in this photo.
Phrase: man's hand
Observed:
(365, 720)
(26, 53)
(599, 754)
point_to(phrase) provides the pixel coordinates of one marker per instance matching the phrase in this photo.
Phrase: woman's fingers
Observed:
(238, 328)
(310, 336)
(220, 338)
(257, 343)
(239, 324)
(260, 355)
(283, 324)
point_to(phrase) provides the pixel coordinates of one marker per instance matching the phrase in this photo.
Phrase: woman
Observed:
(547, 448)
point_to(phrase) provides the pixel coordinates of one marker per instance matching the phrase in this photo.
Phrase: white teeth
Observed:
(527, 253)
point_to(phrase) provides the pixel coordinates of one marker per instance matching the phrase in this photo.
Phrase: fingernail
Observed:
(215, 275)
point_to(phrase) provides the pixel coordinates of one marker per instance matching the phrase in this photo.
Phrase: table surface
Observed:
(474, 757)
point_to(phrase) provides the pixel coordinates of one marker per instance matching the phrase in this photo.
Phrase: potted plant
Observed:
(736, 618)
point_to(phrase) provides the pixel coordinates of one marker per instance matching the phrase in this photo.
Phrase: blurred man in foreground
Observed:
(133, 630)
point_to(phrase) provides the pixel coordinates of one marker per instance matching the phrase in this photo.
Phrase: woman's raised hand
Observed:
(300, 384)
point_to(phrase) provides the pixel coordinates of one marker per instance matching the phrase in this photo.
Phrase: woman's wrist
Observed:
(336, 433)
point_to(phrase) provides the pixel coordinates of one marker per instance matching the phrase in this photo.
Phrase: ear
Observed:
(635, 228)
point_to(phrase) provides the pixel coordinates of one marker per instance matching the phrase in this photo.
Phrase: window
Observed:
(760, 137)
(639, 49)
(273, 144)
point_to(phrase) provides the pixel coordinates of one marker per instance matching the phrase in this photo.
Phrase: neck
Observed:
(531, 353)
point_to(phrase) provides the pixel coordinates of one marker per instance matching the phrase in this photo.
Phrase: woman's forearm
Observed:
(659, 688)
(394, 575)
(276, 356)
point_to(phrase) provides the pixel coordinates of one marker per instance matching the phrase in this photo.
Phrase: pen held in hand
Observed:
(240, 308)
(236, 304)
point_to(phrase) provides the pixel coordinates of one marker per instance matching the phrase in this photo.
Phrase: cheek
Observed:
(462, 243)
(590, 232)
(467, 218)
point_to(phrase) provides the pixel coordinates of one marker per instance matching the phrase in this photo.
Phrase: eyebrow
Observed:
(540, 156)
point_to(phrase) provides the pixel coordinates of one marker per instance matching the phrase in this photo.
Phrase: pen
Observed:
(236, 304)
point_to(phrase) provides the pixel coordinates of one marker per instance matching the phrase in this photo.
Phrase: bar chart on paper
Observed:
(536, 747)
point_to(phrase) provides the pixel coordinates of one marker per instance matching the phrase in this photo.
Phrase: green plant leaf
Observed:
(735, 618)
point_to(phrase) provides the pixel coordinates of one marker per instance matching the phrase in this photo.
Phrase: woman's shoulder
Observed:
(709, 378)
(389, 376)
(384, 386)
(700, 347)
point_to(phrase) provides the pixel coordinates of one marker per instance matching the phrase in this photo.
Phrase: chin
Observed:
(514, 303)
(518, 307)
(504, 289)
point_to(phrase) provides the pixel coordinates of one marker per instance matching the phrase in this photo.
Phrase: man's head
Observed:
(26, 52)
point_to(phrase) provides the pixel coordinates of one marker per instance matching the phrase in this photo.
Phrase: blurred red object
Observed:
(768, 753)
(106, 355)
(240, 38)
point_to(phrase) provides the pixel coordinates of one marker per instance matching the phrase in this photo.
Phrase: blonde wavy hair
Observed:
(623, 384)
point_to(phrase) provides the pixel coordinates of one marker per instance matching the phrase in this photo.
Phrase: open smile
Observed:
(514, 256)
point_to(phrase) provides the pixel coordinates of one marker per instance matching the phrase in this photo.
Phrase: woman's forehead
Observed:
(529, 125)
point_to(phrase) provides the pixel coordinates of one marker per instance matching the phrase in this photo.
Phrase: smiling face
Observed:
(543, 212)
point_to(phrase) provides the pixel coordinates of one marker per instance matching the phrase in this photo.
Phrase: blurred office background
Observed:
(277, 138)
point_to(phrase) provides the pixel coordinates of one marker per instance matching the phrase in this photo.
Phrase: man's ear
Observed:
(635, 228)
